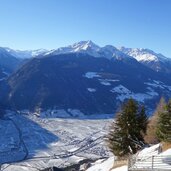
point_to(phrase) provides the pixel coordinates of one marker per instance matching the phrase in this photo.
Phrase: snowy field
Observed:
(50, 141)
(151, 157)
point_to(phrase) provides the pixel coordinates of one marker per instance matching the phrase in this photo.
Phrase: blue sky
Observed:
(32, 24)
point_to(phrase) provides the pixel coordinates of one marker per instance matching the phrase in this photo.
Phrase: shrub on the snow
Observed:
(151, 137)
(128, 129)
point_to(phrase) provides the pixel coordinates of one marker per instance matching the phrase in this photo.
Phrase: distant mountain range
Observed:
(156, 61)
(83, 77)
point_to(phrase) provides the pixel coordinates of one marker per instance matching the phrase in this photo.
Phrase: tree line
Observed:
(132, 130)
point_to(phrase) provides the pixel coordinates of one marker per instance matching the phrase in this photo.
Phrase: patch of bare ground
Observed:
(165, 146)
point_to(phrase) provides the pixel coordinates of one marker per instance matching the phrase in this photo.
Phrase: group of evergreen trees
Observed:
(132, 130)
(159, 127)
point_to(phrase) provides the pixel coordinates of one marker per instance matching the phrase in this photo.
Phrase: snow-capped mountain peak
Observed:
(143, 55)
(80, 47)
(3, 50)
(110, 52)
(149, 58)
(26, 53)
(85, 45)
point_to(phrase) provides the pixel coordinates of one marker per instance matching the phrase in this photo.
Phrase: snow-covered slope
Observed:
(102, 165)
(143, 161)
(152, 157)
(106, 165)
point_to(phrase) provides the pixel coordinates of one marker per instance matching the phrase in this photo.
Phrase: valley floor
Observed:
(46, 142)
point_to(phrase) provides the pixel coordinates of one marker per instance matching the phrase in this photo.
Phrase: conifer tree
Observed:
(126, 133)
(142, 123)
(164, 124)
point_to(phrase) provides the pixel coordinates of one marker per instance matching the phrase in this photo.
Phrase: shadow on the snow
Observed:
(23, 138)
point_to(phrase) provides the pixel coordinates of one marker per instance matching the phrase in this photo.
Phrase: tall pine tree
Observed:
(126, 133)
